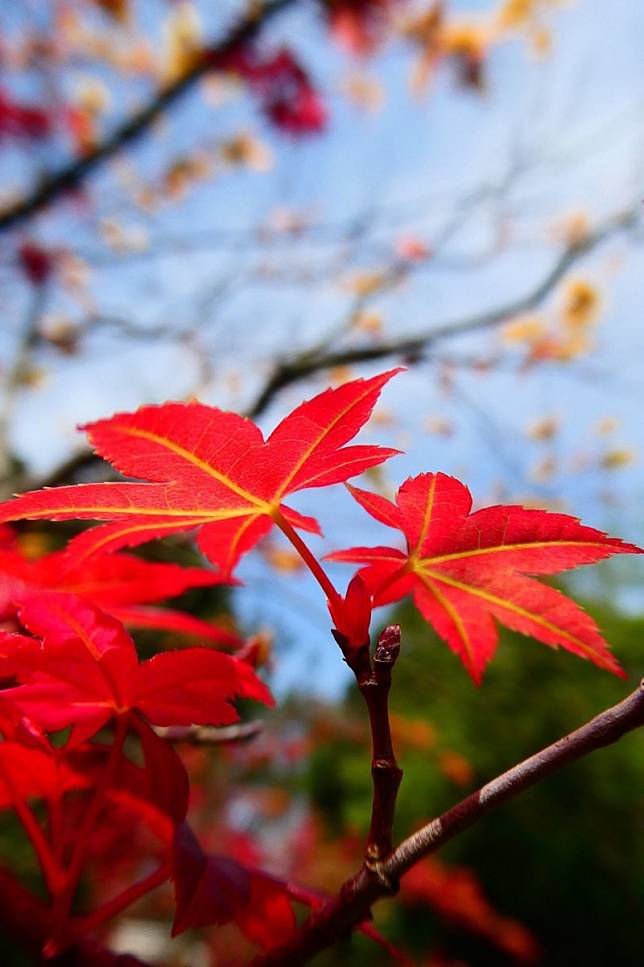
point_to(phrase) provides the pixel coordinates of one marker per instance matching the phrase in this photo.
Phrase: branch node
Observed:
(387, 885)
(374, 681)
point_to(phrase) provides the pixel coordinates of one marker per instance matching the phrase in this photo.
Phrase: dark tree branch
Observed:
(373, 676)
(353, 904)
(605, 729)
(73, 175)
(385, 771)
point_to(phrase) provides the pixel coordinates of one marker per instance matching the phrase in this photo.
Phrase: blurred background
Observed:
(246, 201)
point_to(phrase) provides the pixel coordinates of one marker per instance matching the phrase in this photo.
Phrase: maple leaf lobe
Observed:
(210, 470)
(465, 569)
(86, 671)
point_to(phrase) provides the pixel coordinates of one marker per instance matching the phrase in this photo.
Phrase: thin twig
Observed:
(385, 772)
(207, 735)
(413, 348)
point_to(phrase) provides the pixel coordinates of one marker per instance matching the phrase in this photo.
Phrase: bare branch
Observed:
(414, 347)
(207, 735)
(317, 358)
(353, 903)
(385, 771)
(75, 173)
(605, 729)
(373, 676)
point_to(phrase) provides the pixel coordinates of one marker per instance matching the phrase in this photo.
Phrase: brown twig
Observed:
(288, 372)
(373, 676)
(70, 177)
(412, 348)
(353, 904)
(385, 771)
(207, 735)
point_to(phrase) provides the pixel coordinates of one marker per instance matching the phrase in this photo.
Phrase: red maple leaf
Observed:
(87, 671)
(217, 889)
(457, 896)
(156, 792)
(120, 584)
(465, 569)
(212, 470)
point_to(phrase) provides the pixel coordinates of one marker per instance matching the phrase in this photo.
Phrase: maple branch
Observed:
(71, 176)
(374, 683)
(353, 904)
(413, 348)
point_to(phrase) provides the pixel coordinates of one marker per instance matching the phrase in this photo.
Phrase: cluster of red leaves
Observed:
(122, 585)
(74, 667)
(283, 87)
(69, 664)
(83, 670)
(213, 471)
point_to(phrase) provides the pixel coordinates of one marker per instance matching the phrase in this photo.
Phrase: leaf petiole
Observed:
(309, 559)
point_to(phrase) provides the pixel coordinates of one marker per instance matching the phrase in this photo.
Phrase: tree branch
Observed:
(313, 361)
(353, 904)
(385, 772)
(77, 171)
(209, 735)
(413, 347)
